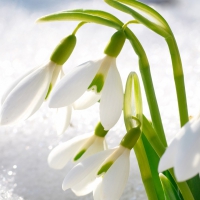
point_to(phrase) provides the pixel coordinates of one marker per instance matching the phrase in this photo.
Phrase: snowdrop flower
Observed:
(94, 80)
(105, 173)
(183, 153)
(78, 148)
(24, 97)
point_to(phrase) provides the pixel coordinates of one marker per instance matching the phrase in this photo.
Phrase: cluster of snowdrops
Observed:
(98, 169)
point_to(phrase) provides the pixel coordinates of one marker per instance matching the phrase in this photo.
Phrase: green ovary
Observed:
(97, 83)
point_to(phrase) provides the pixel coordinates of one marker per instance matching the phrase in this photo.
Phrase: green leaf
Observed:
(173, 182)
(100, 17)
(152, 137)
(194, 184)
(153, 160)
(99, 13)
(169, 190)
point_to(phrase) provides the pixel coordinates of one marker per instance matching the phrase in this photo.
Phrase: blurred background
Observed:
(24, 147)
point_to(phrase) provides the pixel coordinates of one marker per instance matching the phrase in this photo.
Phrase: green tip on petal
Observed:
(49, 90)
(131, 137)
(78, 155)
(105, 168)
(63, 51)
(115, 44)
(97, 83)
(99, 130)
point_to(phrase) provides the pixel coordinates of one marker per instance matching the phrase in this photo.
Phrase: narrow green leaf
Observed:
(169, 190)
(173, 182)
(80, 15)
(153, 160)
(152, 137)
(99, 13)
(194, 184)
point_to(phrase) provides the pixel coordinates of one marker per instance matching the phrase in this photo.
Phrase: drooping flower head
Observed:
(105, 173)
(94, 80)
(78, 148)
(26, 95)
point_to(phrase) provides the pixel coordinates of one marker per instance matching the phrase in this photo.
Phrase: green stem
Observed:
(129, 22)
(78, 26)
(179, 79)
(148, 85)
(145, 170)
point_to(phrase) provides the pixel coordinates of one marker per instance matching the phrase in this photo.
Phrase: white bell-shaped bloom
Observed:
(105, 173)
(183, 153)
(88, 83)
(25, 95)
(77, 148)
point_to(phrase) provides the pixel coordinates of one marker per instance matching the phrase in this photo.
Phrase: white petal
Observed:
(82, 169)
(105, 145)
(63, 118)
(73, 85)
(115, 179)
(97, 146)
(187, 163)
(168, 158)
(111, 102)
(15, 83)
(61, 154)
(40, 98)
(97, 192)
(86, 185)
(55, 75)
(27, 95)
(86, 100)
